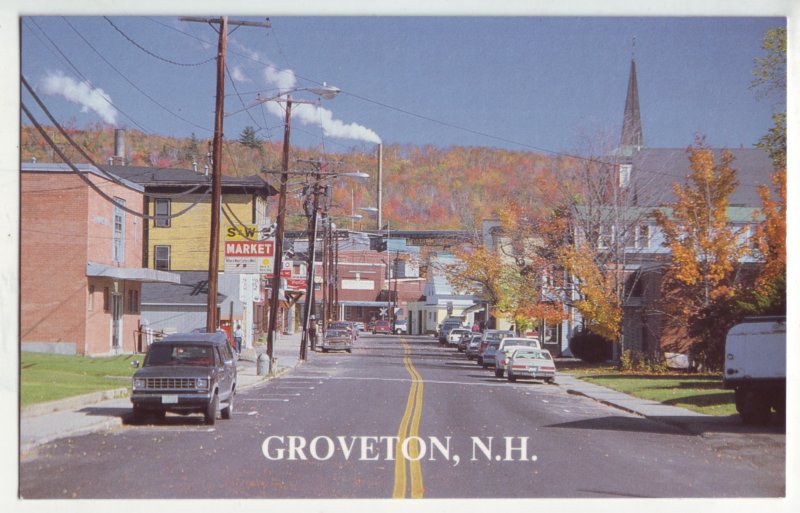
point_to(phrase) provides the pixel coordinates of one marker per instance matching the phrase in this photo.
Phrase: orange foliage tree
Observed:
(703, 279)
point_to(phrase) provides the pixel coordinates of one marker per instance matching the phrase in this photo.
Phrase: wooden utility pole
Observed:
(212, 321)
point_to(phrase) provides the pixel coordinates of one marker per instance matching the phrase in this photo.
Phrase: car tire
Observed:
(211, 410)
(498, 373)
(349, 350)
(227, 411)
(480, 361)
(485, 365)
(550, 381)
(324, 349)
(511, 379)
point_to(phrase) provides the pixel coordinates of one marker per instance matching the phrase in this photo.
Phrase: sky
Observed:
(525, 83)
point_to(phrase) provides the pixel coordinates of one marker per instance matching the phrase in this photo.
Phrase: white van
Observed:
(755, 367)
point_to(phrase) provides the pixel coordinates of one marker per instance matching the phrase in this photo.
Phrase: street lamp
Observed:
(327, 92)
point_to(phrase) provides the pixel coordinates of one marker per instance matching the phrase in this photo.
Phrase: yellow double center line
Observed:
(409, 429)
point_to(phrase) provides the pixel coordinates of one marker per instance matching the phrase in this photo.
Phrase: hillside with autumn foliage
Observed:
(423, 187)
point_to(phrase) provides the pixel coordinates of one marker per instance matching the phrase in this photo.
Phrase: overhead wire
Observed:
(156, 56)
(72, 166)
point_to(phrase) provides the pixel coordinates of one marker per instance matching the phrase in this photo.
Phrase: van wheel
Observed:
(211, 410)
(227, 411)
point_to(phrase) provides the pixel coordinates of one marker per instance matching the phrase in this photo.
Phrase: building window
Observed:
(90, 304)
(119, 231)
(625, 175)
(133, 301)
(606, 238)
(163, 207)
(162, 258)
(106, 300)
(643, 236)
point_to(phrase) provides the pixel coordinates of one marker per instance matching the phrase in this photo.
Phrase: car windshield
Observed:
(179, 354)
(337, 333)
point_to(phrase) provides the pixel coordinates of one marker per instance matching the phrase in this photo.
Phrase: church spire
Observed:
(632, 138)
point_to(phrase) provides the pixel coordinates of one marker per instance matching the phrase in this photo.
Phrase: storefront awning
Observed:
(473, 308)
(130, 273)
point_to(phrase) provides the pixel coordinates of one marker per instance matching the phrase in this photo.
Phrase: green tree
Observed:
(769, 80)
(249, 139)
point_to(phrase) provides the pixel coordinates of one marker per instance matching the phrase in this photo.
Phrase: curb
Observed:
(100, 425)
(73, 403)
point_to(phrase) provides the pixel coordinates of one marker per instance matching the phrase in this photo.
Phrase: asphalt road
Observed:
(403, 417)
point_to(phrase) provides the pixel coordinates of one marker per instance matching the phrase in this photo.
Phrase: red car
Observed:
(384, 327)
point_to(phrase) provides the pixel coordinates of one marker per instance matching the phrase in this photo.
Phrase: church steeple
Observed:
(632, 138)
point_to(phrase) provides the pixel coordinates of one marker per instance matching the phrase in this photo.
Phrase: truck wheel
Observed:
(752, 407)
(227, 411)
(211, 410)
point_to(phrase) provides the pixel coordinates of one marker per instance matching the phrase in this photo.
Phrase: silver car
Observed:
(531, 363)
(473, 345)
(487, 358)
(341, 340)
(507, 346)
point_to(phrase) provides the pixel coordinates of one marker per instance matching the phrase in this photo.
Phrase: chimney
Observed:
(380, 186)
(119, 147)
(194, 165)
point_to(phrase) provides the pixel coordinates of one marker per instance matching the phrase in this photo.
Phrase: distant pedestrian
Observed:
(238, 335)
(312, 332)
(476, 328)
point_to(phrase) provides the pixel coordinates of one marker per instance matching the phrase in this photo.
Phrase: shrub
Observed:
(590, 347)
(636, 361)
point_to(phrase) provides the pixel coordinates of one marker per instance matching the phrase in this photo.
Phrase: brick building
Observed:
(80, 261)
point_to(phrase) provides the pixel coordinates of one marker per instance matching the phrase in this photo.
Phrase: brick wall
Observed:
(65, 225)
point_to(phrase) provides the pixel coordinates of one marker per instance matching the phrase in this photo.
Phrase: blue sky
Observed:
(517, 82)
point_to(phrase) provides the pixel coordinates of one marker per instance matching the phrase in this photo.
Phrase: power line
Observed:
(74, 168)
(131, 82)
(148, 52)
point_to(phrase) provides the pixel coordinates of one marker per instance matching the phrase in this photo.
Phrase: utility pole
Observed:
(212, 321)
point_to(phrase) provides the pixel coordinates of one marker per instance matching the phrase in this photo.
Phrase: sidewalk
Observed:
(75, 416)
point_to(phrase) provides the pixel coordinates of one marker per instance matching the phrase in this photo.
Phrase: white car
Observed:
(531, 363)
(507, 346)
(454, 337)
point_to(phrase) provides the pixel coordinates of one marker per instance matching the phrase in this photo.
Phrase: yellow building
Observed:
(178, 201)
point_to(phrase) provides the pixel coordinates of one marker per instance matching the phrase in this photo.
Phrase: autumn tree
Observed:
(604, 229)
(700, 286)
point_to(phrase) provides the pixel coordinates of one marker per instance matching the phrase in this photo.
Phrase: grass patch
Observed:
(49, 377)
(702, 393)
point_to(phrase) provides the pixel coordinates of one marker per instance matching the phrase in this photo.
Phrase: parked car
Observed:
(337, 340)
(507, 346)
(486, 359)
(531, 363)
(755, 367)
(401, 327)
(454, 337)
(473, 346)
(492, 335)
(448, 325)
(464, 340)
(186, 373)
(344, 325)
(384, 327)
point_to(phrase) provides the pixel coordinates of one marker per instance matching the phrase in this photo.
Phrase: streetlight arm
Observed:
(327, 92)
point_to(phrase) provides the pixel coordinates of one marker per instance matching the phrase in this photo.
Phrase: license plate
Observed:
(169, 399)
